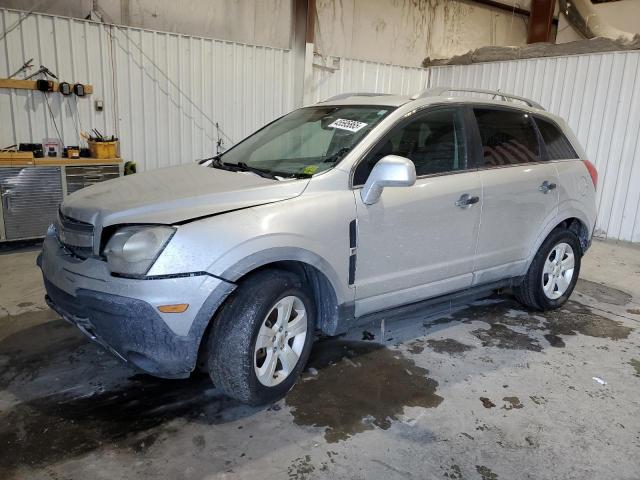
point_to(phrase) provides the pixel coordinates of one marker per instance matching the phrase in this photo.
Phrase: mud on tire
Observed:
(232, 341)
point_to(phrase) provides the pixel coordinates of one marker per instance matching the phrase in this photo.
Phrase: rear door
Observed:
(520, 192)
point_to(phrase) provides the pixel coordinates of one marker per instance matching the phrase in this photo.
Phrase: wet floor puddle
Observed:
(575, 318)
(512, 403)
(603, 293)
(501, 336)
(24, 352)
(60, 426)
(10, 324)
(445, 345)
(505, 315)
(359, 386)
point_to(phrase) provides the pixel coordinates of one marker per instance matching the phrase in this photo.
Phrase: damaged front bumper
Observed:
(122, 314)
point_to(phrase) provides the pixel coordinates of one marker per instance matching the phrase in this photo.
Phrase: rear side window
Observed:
(434, 141)
(558, 147)
(508, 137)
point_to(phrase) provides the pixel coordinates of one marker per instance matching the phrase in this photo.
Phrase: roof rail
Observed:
(507, 97)
(353, 94)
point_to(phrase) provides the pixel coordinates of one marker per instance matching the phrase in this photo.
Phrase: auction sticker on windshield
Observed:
(351, 125)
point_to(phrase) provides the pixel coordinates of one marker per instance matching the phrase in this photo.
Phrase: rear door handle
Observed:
(466, 200)
(546, 187)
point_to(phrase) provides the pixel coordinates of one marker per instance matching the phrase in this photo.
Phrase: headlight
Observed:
(132, 250)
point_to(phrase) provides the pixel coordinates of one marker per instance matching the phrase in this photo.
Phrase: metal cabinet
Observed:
(31, 194)
(30, 199)
(78, 177)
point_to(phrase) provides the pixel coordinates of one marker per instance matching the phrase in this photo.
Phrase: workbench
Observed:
(33, 188)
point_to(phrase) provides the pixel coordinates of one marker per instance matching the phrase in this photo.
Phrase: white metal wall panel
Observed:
(363, 76)
(163, 93)
(599, 96)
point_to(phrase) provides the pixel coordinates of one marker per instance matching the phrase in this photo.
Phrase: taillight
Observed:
(591, 168)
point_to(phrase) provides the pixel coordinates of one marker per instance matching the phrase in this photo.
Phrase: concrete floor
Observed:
(491, 392)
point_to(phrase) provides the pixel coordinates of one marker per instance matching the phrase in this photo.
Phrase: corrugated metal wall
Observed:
(163, 93)
(363, 76)
(599, 96)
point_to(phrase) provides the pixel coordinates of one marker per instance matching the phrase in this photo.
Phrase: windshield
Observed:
(304, 142)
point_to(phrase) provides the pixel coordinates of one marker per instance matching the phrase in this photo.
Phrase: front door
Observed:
(419, 242)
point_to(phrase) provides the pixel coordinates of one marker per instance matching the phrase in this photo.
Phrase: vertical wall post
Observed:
(540, 21)
(299, 48)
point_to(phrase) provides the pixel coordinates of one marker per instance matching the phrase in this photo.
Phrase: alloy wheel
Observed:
(557, 272)
(280, 341)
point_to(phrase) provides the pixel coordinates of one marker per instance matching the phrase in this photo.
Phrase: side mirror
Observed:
(390, 171)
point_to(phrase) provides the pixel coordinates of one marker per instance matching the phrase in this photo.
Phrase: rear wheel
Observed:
(553, 273)
(261, 339)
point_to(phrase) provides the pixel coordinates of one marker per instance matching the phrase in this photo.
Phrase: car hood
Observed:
(174, 195)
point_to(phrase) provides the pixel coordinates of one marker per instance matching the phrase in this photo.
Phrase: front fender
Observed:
(310, 229)
(236, 264)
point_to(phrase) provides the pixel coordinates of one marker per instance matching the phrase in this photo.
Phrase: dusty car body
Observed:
(149, 265)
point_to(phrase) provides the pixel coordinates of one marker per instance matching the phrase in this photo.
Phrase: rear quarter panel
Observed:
(576, 200)
(577, 193)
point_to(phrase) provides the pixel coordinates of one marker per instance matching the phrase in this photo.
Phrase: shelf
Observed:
(56, 161)
(31, 85)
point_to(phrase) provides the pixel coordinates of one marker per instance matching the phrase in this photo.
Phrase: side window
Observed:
(558, 147)
(434, 141)
(508, 137)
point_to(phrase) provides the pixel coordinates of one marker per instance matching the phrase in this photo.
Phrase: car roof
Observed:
(439, 95)
(382, 99)
(466, 95)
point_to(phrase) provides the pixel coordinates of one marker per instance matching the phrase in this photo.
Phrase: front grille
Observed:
(75, 236)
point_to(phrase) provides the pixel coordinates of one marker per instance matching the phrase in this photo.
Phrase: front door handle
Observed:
(466, 200)
(546, 187)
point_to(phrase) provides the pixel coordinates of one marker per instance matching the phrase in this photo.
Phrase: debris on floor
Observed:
(368, 336)
(599, 380)
(486, 403)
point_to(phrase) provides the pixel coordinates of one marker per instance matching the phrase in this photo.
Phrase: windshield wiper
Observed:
(243, 167)
(292, 175)
(217, 163)
(336, 157)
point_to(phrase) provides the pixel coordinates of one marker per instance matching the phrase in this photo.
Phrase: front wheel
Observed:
(262, 337)
(553, 273)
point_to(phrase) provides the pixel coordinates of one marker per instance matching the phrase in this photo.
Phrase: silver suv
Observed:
(318, 222)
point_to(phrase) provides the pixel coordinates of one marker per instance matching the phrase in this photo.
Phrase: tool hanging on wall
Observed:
(44, 84)
(26, 66)
(64, 88)
(43, 70)
(78, 89)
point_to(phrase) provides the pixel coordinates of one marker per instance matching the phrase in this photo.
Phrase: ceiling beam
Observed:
(508, 8)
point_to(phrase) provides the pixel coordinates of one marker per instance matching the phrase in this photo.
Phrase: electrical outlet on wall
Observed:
(99, 105)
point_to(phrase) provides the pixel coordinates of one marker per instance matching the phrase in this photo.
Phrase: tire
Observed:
(258, 306)
(538, 290)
